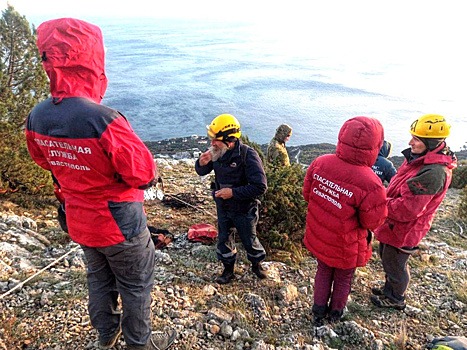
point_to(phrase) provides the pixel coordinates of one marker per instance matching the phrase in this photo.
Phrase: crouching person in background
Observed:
(101, 168)
(240, 180)
(345, 201)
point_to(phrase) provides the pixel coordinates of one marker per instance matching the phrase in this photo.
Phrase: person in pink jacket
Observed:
(346, 200)
(100, 168)
(414, 194)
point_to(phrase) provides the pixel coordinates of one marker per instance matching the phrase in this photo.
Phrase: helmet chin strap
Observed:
(229, 141)
(229, 144)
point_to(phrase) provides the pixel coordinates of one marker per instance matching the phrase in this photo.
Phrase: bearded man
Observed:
(240, 180)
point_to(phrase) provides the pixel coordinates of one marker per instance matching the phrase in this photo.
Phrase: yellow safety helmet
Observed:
(432, 126)
(223, 127)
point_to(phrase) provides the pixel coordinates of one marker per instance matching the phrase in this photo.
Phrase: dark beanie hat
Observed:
(430, 143)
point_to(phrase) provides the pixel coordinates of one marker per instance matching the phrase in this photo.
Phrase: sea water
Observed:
(170, 78)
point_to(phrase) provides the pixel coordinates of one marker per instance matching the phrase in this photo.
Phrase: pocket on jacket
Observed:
(129, 216)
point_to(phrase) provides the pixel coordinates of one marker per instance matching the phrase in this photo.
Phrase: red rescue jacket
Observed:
(345, 197)
(98, 161)
(414, 194)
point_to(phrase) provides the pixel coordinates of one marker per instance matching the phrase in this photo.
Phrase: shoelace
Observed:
(159, 336)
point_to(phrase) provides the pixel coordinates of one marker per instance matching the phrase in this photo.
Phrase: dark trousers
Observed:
(332, 285)
(397, 271)
(245, 224)
(125, 269)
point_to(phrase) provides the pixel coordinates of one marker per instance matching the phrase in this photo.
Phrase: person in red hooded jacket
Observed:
(345, 201)
(414, 194)
(100, 168)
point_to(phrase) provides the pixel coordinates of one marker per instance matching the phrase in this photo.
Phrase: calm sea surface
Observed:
(172, 77)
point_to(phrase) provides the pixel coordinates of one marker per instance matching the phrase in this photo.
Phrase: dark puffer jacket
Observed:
(345, 197)
(383, 167)
(100, 164)
(240, 169)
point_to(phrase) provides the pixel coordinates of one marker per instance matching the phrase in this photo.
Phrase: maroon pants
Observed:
(332, 285)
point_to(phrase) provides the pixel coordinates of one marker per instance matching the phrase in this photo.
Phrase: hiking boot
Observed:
(161, 340)
(158, 341)
(259, 270)
(110, 342)
(335, 315)
(318, 321)
(227, 275)
(319, 314)
(377, 291)
(385, 302)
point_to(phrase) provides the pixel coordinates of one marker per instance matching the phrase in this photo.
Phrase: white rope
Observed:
(37, 273)
(461, 230)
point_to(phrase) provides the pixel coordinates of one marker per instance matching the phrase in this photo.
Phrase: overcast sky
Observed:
(155, 8)
(435, 26)
(392, 14)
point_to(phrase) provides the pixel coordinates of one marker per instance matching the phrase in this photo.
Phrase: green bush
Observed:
(459, 177)
(20, 177)
(23, 83)
(463, 204)
(283, 210)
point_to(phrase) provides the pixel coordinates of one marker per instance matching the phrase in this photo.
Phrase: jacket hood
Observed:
(282, 132)
(360, 140)
(73, 57)
(385, 149)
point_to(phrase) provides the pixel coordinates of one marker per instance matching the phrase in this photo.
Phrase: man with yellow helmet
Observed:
(239, 181)
(413, 196)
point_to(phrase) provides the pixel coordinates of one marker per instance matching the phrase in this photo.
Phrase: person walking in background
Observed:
(383, 167)
(101, 168)
(414, 194)
(277, 152)
(239, 181)
(345, 201)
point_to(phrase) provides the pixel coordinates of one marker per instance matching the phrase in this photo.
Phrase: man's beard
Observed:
(217, 152)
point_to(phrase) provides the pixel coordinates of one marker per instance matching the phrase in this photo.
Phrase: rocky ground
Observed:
(49, 311)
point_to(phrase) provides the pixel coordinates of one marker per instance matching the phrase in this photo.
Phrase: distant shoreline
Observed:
(190, 146)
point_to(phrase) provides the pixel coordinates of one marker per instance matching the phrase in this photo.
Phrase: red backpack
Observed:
(204, 233)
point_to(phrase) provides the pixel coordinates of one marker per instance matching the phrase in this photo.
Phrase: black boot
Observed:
(227, 275)
(335, 315)
(319, 313)
(259, 270)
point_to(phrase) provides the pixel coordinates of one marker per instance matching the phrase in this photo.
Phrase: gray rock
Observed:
(226, 330)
